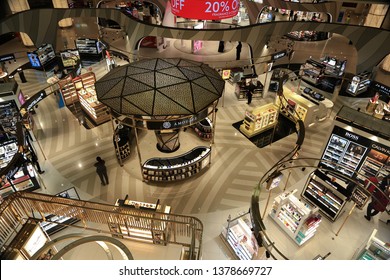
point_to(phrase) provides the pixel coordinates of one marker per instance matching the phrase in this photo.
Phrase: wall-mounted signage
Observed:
(206, 10)
(279, 55)
(7, 57)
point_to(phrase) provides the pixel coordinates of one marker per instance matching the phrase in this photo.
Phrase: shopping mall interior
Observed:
(346, 106)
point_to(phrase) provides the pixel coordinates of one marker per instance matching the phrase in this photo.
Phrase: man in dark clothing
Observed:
(379, 198)
(238, 52)
(101, 170)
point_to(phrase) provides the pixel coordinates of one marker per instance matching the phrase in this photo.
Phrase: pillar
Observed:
(66, 22)
(17, 6)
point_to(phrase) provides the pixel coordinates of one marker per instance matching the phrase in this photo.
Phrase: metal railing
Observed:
(17, 208)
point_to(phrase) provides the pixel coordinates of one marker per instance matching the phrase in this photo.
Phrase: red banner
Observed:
(205, 10)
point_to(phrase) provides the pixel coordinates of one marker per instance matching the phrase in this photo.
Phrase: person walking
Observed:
(101, 170)
(238, 52)
(380, 198)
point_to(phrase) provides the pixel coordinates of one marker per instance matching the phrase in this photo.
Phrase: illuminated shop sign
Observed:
(206, 10)
(279, 55)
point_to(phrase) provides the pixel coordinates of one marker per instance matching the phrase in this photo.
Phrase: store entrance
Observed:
(283, 128)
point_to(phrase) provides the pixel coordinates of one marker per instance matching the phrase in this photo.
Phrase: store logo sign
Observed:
(352, 136)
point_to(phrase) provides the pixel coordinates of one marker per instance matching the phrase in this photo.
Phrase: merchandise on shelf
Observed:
(296, 107)
(374, 249)
(297, 219)
(359, 84)
(178, 167)
(83, 86)
(240, 238)
(143, 229)
(204, 129)
(121, 141)
(329, 196)
(259, 120)
(248, 84)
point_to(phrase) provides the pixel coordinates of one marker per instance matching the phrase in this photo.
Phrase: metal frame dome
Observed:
(160, 87)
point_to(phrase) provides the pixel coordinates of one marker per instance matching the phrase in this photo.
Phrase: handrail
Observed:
(20, 206)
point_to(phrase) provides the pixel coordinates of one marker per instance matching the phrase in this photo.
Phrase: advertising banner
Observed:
(205, 10)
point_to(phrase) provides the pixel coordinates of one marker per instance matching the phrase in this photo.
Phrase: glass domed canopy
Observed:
(160, 87)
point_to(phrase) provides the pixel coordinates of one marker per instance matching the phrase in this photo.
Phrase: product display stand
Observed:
(54, 224)
(204, 129)
(145, 228)
(373, 249)
(259, 120)
(239, 237)
(177, 168)
(85, 87)
(329, 196)
(122, 139)
(297, 219)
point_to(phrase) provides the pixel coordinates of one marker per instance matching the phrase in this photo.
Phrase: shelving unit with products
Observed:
(238, 236)
(54, 224)
(204, 129)
(259, 120)
(295, 106)
(359, 84)
(144, 228)
(299, 220)
(330, 197)
(122, 139)
(242, 87)
(85, 87)
(177, 168)
(374, 249)
(346, 153)
(68, 90)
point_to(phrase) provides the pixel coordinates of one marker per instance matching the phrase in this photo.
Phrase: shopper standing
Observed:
(238, 52)
(101, 170)
(379, 201)
(249, 95)
(221, 46)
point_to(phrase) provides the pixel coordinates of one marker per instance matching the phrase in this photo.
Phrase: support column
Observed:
(66, 22)
(17, 6)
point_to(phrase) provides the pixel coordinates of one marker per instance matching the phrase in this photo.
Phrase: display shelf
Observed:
(204, 129)
(329, 196)
(345, 153)
(177, 168)
(54, 224)
(259, 120)
(298, 220)
(239, 237)
(295, 106)
(374, 249)
(144, 228)
(68, 90)
(85, 87)
(242, 87)
(121, 140)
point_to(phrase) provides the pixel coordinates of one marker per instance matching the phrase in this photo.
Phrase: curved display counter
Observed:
(178, 167)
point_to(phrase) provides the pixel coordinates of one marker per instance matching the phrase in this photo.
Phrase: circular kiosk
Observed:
(163, 95)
